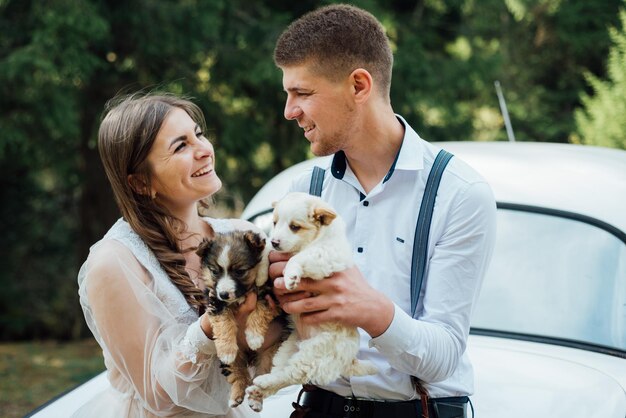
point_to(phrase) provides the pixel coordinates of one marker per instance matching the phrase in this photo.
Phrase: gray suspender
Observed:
(420, 243)
(422, 229)
(317, 180)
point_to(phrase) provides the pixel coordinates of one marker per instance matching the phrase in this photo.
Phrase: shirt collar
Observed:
(338, 165)
(409, 156)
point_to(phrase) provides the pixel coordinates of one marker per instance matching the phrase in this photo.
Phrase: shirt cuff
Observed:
(196, 341)
(392, 341)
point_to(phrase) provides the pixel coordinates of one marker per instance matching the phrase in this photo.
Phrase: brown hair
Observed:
(336, 40)
(127, 132)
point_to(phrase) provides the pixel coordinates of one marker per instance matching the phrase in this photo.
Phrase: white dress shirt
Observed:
(381, 227)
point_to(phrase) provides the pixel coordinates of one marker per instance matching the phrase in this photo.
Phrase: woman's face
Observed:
(182, 163)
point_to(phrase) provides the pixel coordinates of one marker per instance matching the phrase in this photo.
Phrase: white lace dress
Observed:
(158, 360)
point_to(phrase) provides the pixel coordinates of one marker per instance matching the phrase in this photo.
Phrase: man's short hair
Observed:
(336, 40)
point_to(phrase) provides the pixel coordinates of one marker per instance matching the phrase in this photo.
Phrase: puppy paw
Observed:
(362, 368)
(234, 403)
(292, 276)
(254, 340)
(227, 357)
(255, 398)
(291, 283)
(263, 381)
(369, 368)
(225, 369)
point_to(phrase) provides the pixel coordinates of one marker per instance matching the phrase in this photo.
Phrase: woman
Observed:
(139, 288)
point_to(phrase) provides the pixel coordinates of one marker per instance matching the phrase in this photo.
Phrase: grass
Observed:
(32, 373)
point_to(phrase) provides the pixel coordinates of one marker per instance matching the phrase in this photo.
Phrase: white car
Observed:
(549, 332)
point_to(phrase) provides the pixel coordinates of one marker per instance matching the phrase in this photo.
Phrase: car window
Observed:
(555, 277)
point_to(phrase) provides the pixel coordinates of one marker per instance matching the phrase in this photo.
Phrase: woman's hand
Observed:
(241, 316)
(205, 324)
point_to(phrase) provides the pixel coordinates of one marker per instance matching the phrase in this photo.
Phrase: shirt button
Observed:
(360, 249)
(366, 203)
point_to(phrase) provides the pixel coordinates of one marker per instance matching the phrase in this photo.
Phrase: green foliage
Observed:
(32, 373)
(61, 60)
(45, 58)
(449, 56)
(602, 120)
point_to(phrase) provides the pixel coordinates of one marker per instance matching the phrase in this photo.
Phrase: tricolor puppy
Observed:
(309, 228)
(234, 264)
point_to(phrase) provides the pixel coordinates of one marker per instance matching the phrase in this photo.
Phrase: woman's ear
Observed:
(362, 84)
(139, 185)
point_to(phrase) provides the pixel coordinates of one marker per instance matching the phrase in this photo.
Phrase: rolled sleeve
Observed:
(394, 339)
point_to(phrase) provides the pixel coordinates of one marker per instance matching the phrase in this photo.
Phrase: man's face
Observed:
(321, 107)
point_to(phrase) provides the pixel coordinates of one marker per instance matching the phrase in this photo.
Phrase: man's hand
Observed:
(278, 261)
(345, 297)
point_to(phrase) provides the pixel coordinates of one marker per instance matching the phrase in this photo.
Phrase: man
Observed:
(336, 64)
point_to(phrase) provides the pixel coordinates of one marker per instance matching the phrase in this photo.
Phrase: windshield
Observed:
(555, 277)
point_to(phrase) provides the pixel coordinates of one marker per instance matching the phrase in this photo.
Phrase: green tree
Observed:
(449, 53)
(61, 60)
(602, 120)
(45, 61)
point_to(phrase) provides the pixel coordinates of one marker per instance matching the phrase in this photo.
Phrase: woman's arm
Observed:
(171, 365)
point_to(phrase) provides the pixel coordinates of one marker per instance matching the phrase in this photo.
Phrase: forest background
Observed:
(561, 64)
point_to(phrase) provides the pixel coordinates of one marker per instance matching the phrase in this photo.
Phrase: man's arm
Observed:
(431, 346)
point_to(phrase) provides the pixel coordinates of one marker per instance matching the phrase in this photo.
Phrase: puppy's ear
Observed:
(255, 241)
(211, 232)
(324, 215)
(203, 247)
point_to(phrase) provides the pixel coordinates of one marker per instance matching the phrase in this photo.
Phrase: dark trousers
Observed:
(319, 403)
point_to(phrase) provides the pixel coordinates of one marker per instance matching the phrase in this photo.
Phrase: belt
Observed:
(322, 403)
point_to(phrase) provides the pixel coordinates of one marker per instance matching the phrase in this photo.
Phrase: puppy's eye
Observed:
(239, 272)
(294, 227)
(215, 270)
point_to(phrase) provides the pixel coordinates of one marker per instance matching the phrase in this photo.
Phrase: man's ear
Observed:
(138, 185)
(362, 84)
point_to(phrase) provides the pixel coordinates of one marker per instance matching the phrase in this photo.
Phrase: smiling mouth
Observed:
(308, 128)
(202, 172)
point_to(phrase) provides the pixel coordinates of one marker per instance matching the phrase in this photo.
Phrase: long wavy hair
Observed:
(128, 130)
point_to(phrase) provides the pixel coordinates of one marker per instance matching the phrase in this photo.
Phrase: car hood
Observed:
(544, 380)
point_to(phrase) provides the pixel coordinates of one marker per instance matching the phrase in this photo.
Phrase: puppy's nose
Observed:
(276, 244)
(224, 295)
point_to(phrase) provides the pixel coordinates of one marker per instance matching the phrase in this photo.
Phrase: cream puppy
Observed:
(309, 228)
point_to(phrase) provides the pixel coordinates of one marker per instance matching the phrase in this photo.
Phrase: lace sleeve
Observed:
(170, 366)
